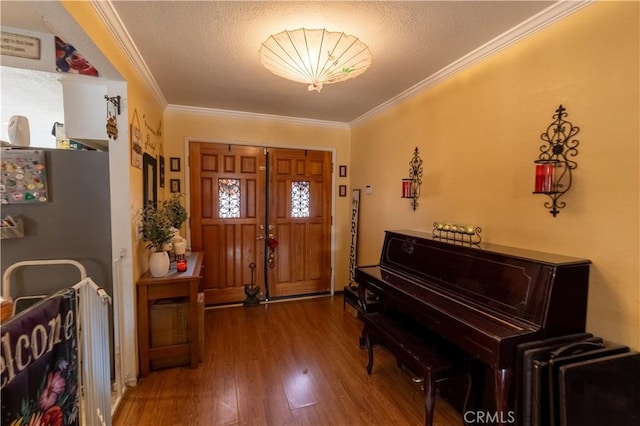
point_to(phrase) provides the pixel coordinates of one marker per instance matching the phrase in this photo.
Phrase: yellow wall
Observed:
(139, 100)
(478, 134)
(181, 126)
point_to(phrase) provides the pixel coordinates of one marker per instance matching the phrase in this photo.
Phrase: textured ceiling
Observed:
(205, 53)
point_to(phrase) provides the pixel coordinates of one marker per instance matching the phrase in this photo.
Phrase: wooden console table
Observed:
(175, 284)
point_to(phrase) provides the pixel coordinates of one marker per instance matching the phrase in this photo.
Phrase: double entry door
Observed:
(262, 216)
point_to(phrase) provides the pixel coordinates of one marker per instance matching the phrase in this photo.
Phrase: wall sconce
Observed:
(553, 166)
(411, 185)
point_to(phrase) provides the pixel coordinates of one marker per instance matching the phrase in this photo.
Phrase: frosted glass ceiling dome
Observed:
(315, 56)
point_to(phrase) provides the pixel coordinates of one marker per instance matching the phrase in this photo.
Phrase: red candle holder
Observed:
(545, 176)
(407, 191)
(181, 265)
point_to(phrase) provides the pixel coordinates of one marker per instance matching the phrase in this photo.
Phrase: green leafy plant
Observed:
(156, 227)
(175, 210)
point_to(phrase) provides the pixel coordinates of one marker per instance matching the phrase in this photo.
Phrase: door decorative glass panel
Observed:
(229, 198)
(300, 199)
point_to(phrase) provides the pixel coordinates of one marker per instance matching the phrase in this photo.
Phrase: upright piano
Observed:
(485, 299)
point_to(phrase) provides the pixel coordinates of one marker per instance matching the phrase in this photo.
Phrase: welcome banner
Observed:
(39, 364)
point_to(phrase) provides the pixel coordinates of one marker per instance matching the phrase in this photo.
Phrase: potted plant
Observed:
(156, 229)
(175, 211)
(177, 215)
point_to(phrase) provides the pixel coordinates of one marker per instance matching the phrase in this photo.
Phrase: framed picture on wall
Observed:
(174, 185)
(149, 180)
(342, 190)
(175, 164)
(342, 171)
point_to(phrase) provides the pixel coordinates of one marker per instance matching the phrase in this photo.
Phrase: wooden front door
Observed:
(229, 221)
(300, 220)
(227, 210)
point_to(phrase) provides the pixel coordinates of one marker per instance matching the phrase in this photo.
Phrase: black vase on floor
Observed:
(252, 292)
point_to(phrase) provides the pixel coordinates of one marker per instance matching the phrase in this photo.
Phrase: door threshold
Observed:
(274, 300)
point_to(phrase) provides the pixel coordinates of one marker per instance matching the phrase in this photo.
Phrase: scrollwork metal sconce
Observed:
(553, 166)
(411, 185)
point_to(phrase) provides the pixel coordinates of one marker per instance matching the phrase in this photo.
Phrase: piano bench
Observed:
(419, 349)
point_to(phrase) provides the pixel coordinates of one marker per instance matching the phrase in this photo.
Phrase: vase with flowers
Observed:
(156, 229)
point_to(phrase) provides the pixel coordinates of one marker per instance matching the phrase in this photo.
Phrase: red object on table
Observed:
(181, 265)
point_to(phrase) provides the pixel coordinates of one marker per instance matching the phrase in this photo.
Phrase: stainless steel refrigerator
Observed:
(74, 222)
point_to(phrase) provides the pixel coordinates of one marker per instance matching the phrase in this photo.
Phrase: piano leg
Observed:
(502, 382)
(476, 385)
(429, 398)
(479, 376)
(470, 395)
(362, 299)
(369, 349)
(363, 340)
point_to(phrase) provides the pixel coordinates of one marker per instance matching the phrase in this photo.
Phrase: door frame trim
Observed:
(187, 184)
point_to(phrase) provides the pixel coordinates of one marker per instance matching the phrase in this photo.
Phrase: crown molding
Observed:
(550, 15)
(527, 28)
(225, 113)
(112, 21)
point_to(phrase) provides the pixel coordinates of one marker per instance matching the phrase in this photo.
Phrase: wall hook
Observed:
(115, 100)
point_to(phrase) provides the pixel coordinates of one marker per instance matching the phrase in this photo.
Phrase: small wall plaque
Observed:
(20, 45)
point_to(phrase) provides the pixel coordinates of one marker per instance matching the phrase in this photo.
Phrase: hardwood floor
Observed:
(286, 363)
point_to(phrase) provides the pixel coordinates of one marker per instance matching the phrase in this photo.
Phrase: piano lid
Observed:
(514, 252)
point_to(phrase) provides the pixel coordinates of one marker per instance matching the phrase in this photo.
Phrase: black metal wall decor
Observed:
(554, 166)
(115, 100)
(411, 185)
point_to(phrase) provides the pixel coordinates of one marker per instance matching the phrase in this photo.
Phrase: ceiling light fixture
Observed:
(315, 56)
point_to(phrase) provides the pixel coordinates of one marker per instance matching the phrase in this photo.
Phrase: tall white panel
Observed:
(85, 108)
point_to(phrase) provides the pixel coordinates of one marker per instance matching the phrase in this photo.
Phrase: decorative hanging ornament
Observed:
(112, 127)
(112, 122)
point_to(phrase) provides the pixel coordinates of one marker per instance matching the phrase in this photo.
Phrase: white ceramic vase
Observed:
(159, 264)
